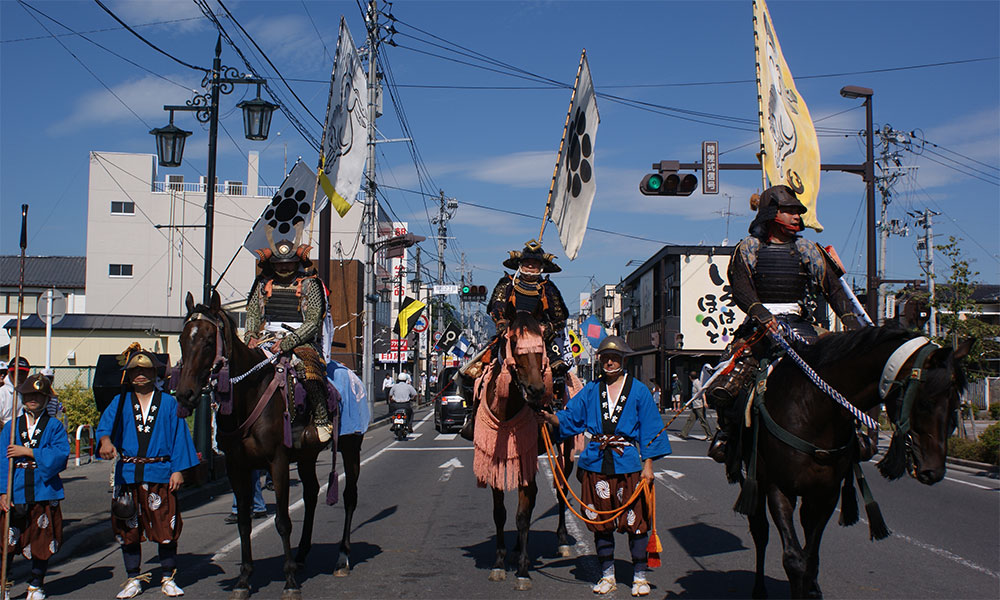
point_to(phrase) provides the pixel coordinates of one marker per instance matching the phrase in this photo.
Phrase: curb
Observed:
(972, 466)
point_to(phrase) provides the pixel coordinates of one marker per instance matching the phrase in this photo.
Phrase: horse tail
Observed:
(893, 464)
(848, 503)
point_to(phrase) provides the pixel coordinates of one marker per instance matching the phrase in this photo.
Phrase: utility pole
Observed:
(416, 336)
(371, 202)
(728, 213)
(890, 171)
(462, 305)
(926, 243)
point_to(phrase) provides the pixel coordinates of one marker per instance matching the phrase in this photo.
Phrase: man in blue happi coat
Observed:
(40, 451)
(153, 445)
(623, 420)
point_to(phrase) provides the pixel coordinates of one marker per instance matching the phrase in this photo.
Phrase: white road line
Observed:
(673, 488)
(572, 525)
(291, 508)
(687, 457)
(426, 449)
(446, 436)
(982, 487)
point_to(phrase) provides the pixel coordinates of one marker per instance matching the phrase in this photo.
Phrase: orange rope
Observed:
(561, 481)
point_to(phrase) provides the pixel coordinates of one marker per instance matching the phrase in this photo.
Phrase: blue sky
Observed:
(496, 147)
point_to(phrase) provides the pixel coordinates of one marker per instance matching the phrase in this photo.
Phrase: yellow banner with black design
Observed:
(409, 312)
(574, 343)
(790, 150)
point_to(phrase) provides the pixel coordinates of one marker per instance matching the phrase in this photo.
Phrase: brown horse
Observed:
(207, 340)
(514, 386)
(852, 363)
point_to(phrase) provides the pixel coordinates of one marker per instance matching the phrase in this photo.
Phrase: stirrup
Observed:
(640, 587)
(717, 449)
(324, 431)
(133, 586)
(169, 588)
(606, 585)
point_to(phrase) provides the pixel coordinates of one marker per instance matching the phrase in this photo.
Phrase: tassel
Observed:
(877, 529)
(848, 503)
(893, 464)
(653, 547)
(746, 504)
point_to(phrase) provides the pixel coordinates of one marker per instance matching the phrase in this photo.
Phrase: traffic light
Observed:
(473, 293)
(667, 181)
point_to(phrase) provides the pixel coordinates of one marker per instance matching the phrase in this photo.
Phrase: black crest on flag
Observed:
(581, 149)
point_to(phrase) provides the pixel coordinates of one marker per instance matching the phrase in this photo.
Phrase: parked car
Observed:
(450, 406)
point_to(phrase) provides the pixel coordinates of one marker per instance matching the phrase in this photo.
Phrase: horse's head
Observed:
(199, 349)
(928, 418)
(527, 348)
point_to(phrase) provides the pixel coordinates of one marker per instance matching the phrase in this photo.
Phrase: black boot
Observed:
(867, 444)
(717, 449)
(316, 397)
(727, 387)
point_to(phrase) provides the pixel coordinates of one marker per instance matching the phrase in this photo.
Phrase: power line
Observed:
(149, 43)
(45, 37)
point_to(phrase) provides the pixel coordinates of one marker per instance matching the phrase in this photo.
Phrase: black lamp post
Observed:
(170, 152)
(871, 289)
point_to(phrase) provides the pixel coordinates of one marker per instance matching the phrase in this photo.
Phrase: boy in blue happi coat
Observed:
(153, 445)
(40, 451)
(623, 420)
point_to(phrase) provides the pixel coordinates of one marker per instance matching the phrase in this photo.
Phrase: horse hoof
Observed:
(565, 551)
(291, 595)
(241, 594)
(498, 575)
(523, 584)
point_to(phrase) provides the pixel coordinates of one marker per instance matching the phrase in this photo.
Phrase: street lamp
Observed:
(170, 152)
(871, 289)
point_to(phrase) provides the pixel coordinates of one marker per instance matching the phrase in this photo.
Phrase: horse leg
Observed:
(499, 571)
(792, 557)
(239, 480)
(814, 515)
(759, 531)
(525, 506)
(310, 491)
(565, 549)
(350, 453)
(283, 523)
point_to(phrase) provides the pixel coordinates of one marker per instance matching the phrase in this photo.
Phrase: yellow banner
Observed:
(339, 204)
(790, 150)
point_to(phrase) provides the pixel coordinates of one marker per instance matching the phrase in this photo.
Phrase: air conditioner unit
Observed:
(175, 182)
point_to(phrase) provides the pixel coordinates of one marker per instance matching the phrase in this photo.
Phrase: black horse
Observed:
(257, 442)
(851, 363)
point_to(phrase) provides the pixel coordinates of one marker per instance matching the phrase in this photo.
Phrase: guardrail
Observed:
(231, 189)
(88, 442)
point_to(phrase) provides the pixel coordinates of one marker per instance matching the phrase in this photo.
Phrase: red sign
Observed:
(394, 345)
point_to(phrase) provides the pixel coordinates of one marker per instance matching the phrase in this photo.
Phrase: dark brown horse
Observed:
(249, 443)
(515, 385)
(852, 363)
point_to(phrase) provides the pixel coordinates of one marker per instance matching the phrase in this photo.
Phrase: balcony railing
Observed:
(656, 335)
(230, 189)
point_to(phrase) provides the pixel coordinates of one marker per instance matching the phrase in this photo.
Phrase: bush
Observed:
(995, 412)
(990, 441)
(964, 449)
(78, 404)
(985, 450)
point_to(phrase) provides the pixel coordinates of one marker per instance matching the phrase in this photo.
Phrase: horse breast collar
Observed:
(898, 359)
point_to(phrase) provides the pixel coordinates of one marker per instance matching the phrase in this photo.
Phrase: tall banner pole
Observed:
(562, 142)
(13, 408)
(760, 97)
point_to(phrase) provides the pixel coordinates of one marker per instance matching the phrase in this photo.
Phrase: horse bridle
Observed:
(220, 361)
(923, 348)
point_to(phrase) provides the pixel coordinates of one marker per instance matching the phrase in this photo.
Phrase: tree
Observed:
(958, 314)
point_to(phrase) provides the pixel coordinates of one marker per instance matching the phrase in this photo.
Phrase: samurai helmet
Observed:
(614, 343)
(532, 249)
(284, 251)
(36, 384)
(774, 198)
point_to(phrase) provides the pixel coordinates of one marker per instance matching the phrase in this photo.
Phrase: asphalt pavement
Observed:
(424, 530)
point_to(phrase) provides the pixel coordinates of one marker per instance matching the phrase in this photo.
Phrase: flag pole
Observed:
(562, 142)
(760, 99)
(324, 217)
(13, 408)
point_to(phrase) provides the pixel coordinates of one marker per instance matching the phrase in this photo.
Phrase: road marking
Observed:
(688, 457)
(426, 449)
(673, 488)
(583, 549)
(982, 487)
(674, 474)
(674, 438)
(449, 468)
(446, 437)
(291, 508)
(412, 436)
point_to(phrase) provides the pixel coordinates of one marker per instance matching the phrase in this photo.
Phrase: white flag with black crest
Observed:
(288, 213)
(573, 184)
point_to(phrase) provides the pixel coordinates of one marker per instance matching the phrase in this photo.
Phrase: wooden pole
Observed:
(760, 99)
(13, 407)
(562, 143)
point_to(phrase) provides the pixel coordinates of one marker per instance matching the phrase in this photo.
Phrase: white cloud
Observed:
(520, 169)
(291, 39)
(145, 96)
(140, 12)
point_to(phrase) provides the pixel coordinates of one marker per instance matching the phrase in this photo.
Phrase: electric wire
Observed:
(149, 43)
(102, 30)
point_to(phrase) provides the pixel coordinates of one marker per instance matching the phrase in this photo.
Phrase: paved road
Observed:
(424, 530)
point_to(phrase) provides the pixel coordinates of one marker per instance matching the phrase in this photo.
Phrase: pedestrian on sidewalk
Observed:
(154, 445)
(675, 391)
(40, 452)
(654, 389)
(619, 413)
(697, 410)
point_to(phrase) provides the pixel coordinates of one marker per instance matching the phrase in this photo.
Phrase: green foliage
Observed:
(990, 441)
(959, 317)
(78, 404)
(985, 450)
(995, 412)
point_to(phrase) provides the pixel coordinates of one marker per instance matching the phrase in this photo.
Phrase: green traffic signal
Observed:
(465, 290)
(655, 182)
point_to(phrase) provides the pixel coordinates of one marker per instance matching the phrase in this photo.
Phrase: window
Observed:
(119, 270)
(123, 208)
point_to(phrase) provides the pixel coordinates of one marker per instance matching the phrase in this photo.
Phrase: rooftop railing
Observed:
(228, 189)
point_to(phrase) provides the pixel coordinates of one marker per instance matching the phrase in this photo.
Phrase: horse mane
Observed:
(836, 346)
(525, 323)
